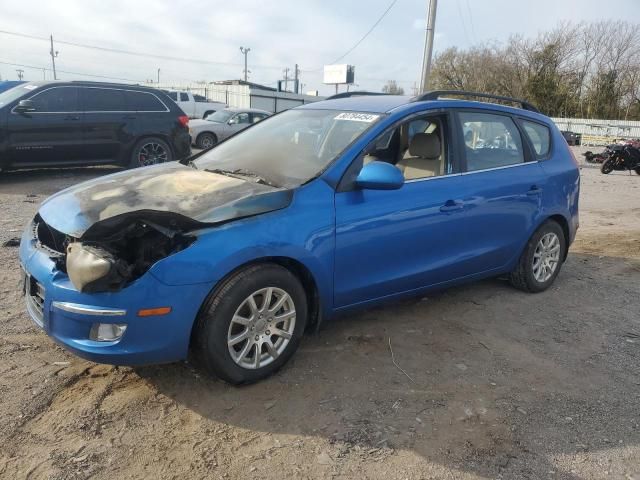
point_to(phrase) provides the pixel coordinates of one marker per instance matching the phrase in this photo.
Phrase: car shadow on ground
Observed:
(483, 379)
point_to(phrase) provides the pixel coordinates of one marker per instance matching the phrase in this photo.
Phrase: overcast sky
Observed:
(280, 33)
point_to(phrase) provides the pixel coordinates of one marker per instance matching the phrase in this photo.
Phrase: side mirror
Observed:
(25, 106)
(233, 121)
(380, 176)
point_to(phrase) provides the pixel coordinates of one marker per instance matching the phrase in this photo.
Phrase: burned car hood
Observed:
(166, 194)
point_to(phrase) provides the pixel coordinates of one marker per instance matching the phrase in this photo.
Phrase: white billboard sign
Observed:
(338, 74)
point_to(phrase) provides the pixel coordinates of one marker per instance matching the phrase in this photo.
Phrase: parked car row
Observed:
(320, 210)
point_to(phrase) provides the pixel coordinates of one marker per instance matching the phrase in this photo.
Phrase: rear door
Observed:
(109, 123)
(52, 134)
(504, 181)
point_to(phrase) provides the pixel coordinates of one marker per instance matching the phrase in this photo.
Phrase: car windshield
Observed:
(221, 116)
(14, 93)
(291, 148)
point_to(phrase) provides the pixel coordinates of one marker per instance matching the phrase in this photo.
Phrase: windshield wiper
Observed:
(242, 174)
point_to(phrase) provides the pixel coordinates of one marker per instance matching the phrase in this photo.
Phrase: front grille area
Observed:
(34, 295)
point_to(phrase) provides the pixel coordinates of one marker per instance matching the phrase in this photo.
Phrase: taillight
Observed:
(183, 120)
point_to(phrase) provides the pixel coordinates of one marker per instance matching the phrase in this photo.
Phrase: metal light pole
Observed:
(158, 76)
(245, 51)
(428, 45)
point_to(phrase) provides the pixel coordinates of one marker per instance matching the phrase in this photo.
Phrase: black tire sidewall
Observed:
(217, 313)
(134, 163)
(607, 167)
(203, 135)
(548, 227)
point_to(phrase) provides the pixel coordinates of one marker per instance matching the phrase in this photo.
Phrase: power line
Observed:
(464, 26)
(70, 73)
(473, 28)
(384, 14)
(137, 54)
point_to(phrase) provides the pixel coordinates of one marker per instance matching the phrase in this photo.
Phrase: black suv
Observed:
(46, 124)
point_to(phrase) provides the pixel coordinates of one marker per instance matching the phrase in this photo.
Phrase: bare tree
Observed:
(587, 70)
(392, 88)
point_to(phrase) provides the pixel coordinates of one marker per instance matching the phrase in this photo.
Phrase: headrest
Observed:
(425, 145)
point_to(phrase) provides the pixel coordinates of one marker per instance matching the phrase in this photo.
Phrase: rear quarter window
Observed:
(539, 136)
(144, 102)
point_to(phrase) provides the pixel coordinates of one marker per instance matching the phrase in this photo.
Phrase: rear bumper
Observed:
(67, 315)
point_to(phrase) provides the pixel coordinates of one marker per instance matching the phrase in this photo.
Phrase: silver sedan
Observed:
(222, 124)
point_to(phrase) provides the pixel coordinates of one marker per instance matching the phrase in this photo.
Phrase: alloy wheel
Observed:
(261, 328)
(152, 153)
(546, 257)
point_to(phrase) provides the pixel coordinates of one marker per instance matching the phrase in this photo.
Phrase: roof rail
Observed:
(353, 94)
(437, 94)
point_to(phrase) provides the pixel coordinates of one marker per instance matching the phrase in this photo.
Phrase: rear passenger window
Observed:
(491, 141)
(103, 100)
(539, 136)
(144, 102)
(184, 97)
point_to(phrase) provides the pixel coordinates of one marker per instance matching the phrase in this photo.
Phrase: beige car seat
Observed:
(423, 158)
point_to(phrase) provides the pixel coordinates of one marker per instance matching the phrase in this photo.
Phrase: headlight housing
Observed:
(93, 269)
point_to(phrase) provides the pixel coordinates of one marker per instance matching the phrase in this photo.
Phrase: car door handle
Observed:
(72, 117)
(129, 117)
(534, 190)
(451, 206)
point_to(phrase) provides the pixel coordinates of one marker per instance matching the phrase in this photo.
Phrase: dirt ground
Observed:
(498, 383)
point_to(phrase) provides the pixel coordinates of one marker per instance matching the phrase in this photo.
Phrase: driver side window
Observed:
(417, 147)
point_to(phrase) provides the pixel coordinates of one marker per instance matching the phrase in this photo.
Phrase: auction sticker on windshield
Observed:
(357, 117)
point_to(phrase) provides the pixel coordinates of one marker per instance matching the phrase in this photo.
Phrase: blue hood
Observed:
(168, 194)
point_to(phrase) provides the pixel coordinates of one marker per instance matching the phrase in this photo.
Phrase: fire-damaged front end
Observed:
(108, 260)
(88, 254)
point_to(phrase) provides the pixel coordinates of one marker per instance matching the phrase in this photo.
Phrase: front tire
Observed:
(607, 166)
(252, 324)
(541, 259)
(150, 151)
(206, 140)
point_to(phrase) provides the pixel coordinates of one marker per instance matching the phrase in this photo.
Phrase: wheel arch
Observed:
(297, 268)
(205, 132)
(564, 224)
(165, 138)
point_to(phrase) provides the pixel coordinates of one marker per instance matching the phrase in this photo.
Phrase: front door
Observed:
(391, 242)
(50, 135)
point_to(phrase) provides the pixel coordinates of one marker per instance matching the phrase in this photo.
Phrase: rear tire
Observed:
(541, 259)
(232, 330)
(150, 151)
(206, 140)
(607, 166)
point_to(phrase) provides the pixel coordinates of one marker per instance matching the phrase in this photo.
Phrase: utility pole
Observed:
(428, 45)
(20, 73)
(53, 54)
(286, 78)
(158, 76)
(245, 51)
(297, 79)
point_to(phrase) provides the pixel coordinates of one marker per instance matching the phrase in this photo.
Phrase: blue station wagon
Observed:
(333, 206)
